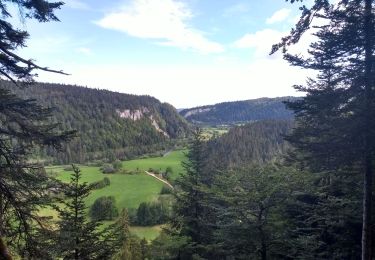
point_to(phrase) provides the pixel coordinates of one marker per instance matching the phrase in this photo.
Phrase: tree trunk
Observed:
(264, 251)
(367, 183)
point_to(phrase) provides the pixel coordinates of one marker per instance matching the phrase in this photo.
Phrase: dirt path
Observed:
(160, 179)
(167, 153)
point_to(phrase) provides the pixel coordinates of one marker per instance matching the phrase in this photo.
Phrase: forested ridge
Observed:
(239, 111)
(109, 125)
(254, 143)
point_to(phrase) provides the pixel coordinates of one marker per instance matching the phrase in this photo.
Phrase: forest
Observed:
(102, 134)
(229, 113)
(287, 184)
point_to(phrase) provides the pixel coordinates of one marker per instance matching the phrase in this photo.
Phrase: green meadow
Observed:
(129, 190)
(172, 160)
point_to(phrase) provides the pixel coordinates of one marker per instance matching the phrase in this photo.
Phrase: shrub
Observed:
(165, 190)
(104, 208)
(68, 168)
(117, 165)
(106, 181)
(154, 213)
(101, 184)
(108, 168)
(97, 163)
(132, 213)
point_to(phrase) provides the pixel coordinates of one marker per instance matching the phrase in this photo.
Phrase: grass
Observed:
(128, 190)
(209, 132)
(172, 160)
(149, 233)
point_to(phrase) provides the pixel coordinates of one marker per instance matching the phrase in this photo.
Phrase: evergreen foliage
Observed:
(228, 113)
(154, 213)
(13, 66)
(104, 208)
(250, 204)
(130, 247)
(79, 238)
(102, 132)
(190, 214)
(335, 126)
(24, 125)
(101, 184)
(253, 143)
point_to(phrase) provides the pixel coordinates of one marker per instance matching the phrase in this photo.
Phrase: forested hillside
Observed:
(254, 143)
(109, 125)
(239, 111)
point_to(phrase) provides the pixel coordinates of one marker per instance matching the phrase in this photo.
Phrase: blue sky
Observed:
(184, 52)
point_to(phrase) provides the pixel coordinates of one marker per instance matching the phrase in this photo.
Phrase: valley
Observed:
(129, 188)
(272, 157)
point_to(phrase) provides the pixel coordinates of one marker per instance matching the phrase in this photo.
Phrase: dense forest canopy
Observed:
(108, 124)
(239, 111)
(254, 143)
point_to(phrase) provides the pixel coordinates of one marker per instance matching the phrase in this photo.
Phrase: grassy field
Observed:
(149, 233)
(172, 160)
(128, 190)
(209, 132)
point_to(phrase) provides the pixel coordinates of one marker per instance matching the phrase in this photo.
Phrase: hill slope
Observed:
(253, 143)
(110, 125)
(239, 111)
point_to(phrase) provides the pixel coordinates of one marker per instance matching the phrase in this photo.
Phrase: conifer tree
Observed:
(250, 202)
(335, 131)
(23, 126)
(14, 67)
(123, 235)
(79, 238)
(190, 211)
(24, 186)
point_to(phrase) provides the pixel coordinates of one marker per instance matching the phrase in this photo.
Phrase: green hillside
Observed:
(109, 125)
(239, 111)
(253, 143)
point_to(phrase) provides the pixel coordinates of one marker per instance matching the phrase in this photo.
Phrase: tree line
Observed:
(236, 112)
(101, 132)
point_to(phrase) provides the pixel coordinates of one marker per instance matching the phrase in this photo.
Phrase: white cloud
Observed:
(279, 16)
(76, 4)
(190, 85)
(166, 21)
(260, 41)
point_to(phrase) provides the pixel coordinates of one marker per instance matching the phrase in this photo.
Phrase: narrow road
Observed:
(167, 153)
(160, 179)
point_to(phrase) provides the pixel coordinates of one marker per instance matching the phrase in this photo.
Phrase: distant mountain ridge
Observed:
(239, 111)
(110, 125)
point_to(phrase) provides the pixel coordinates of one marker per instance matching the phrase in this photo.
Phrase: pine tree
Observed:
(250, 204)
(24, 186)
(190, 211)
(23, 126)
(123, 235)
(78, 237)
(335, 131)
(14, 67)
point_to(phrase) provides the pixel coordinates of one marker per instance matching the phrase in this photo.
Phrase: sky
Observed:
(184, 52)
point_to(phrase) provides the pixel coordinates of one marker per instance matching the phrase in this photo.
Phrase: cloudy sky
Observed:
(184, 52)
